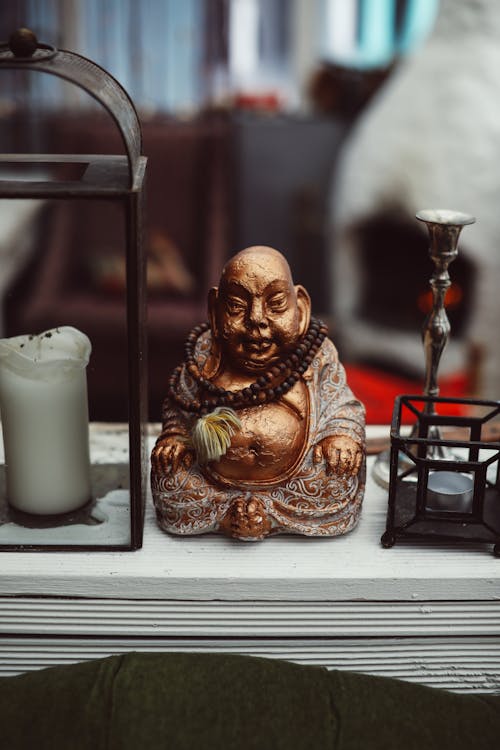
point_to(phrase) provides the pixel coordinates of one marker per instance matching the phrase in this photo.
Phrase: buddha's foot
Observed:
(246, 519)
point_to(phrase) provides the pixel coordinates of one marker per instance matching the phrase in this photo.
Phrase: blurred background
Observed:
(318, 127)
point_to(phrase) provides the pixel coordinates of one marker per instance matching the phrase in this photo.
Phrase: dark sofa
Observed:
(225, 702)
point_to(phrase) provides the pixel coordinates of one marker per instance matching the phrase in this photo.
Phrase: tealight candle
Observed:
(449, 490)
(44, 412)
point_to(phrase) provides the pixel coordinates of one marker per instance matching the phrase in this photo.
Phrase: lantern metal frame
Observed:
(413, 457)
(118, 178)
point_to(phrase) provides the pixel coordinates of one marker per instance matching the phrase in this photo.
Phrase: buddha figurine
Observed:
(261, 434)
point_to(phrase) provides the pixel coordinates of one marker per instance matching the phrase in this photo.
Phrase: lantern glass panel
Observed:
(68, 269)
(43, 374)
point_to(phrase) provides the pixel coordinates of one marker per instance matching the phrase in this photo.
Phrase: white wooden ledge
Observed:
(352, 567)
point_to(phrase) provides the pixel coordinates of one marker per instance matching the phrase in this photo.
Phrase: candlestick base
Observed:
(381, 471)
(382, 468)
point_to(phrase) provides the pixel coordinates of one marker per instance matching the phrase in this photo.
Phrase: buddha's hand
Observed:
(342, 455)
(170, 454)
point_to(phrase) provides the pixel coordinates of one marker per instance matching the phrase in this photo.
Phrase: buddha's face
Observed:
(257, 314)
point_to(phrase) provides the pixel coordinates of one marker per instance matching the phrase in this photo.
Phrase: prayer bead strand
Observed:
(268, 387)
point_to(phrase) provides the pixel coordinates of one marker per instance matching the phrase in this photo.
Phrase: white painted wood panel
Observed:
(236, 619)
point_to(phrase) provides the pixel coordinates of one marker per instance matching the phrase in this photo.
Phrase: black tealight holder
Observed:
(444, 476)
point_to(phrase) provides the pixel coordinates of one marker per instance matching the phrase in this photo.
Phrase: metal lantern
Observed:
(444, 485)
(117, 179)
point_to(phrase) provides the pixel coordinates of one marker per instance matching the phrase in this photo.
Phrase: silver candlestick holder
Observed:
(444, 229)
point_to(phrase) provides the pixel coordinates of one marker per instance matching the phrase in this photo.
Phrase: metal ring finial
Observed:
(24, 46)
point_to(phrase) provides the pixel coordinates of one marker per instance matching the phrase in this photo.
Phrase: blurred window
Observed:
(176, 55)
(371, 33)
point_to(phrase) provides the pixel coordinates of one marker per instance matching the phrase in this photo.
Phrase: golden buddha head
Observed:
(256, 313)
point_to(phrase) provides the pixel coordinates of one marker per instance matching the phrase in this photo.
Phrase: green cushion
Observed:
(205, 701)
(381, 714)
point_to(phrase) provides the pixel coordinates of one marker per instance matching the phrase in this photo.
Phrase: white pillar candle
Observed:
(44, 411)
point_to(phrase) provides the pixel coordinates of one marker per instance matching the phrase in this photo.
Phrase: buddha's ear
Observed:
(213, 296)
(212, 362)
(304, 305)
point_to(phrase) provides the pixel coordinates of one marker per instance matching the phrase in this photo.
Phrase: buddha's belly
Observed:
(269, 443)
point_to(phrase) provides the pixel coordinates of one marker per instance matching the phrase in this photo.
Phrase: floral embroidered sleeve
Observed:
(175, 423)
(336, 409)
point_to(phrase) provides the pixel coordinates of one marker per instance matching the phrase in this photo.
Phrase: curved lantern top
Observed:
(23, 51)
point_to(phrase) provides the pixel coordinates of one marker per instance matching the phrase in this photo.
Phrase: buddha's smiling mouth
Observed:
(258, 346)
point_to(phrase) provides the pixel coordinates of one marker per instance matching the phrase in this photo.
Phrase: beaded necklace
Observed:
(268, 387)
